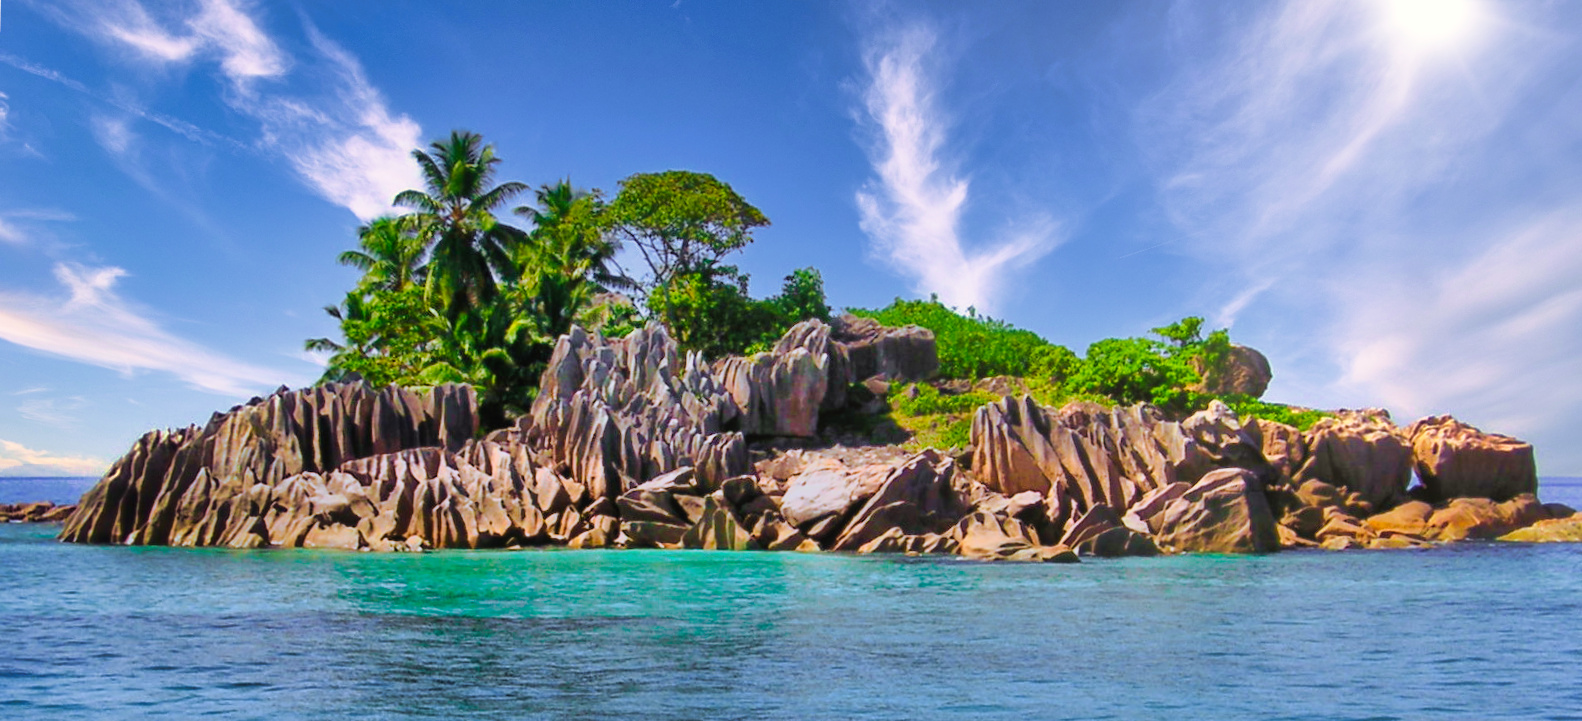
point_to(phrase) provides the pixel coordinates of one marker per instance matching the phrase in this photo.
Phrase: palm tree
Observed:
(455, 213)
(391, 257)
(568, 257)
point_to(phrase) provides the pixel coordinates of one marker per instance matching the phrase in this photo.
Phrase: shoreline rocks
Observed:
(632, 444)
(36, 512)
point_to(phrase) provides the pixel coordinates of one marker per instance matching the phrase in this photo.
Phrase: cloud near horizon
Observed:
(17, 460)
(912, 212)
(340, 137)
(94, 325)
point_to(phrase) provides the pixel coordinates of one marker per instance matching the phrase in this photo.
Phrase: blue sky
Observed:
(1384, 197)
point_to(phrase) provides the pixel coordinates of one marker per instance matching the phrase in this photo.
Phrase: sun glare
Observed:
(1433, 24)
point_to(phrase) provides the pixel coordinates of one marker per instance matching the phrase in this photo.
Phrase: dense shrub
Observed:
(1249, 408)
(973, 346)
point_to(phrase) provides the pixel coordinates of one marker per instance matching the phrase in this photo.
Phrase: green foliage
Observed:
(390, 336)
(1249, 408)
(935, 419)
(801, 298)
(682, 222)
(972, 346)
(708, 310)
(926, 400)
(1137, 370)
(454, 215)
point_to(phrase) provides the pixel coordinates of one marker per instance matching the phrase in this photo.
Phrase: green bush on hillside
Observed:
(973, 346)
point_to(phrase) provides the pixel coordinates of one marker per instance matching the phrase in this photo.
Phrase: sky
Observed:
(1384, 197)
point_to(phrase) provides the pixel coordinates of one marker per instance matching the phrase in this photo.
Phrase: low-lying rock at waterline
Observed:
(633, 444)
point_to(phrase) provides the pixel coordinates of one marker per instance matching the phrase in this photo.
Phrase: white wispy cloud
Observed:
(339, 136)
(912, 212)
(366, 159)
(19, 227)
(17, 459)
(54, 411)
(93, 324)
(1397, 210)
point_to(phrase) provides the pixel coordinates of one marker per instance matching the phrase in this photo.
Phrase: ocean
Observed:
(1473, 631)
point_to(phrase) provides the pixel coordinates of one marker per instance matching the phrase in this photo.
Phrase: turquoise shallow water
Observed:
(1479, 631)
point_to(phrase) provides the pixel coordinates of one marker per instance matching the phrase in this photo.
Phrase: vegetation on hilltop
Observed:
(1160, 369)
(451, 292)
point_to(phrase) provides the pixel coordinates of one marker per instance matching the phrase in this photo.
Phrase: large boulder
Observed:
(1455, 460)
(1565, 529)
(1225, 512)
(1243, 371)
(923, 495)
(1361, 451)
(905, 355)
(818, 499)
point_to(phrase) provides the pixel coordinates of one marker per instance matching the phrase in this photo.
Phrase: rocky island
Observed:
(632, 443)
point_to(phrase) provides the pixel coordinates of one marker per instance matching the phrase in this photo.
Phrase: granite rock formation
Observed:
(1455, 460)
(633, 444)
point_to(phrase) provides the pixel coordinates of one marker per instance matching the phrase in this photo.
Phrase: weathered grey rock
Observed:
(1455, 460)
(905, 355)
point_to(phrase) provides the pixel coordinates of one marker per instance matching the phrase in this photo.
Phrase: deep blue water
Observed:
(57, 490)
(1483, 631)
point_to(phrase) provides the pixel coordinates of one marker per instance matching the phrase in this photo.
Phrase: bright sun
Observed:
(1432, 24)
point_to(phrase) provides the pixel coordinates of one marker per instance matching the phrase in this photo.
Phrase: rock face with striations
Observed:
(171, 479)
(633, 444)
(615, 413)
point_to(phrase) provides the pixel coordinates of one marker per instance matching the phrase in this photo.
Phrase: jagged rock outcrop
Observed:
(1082, 455)
(1456, 460)
(902, 355)
(1361, 451)
(633, 444)
(616, 413)
(260, 445)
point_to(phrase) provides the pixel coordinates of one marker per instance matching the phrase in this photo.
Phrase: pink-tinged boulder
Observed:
(984, 536)
(1085, 455)
(1455, 460)
(1361, 451)
(1481, 518)
(817, 499)
(921, 496)
(1243, 371)
(1281, 445)
(1410, 518)
(1225, 512)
